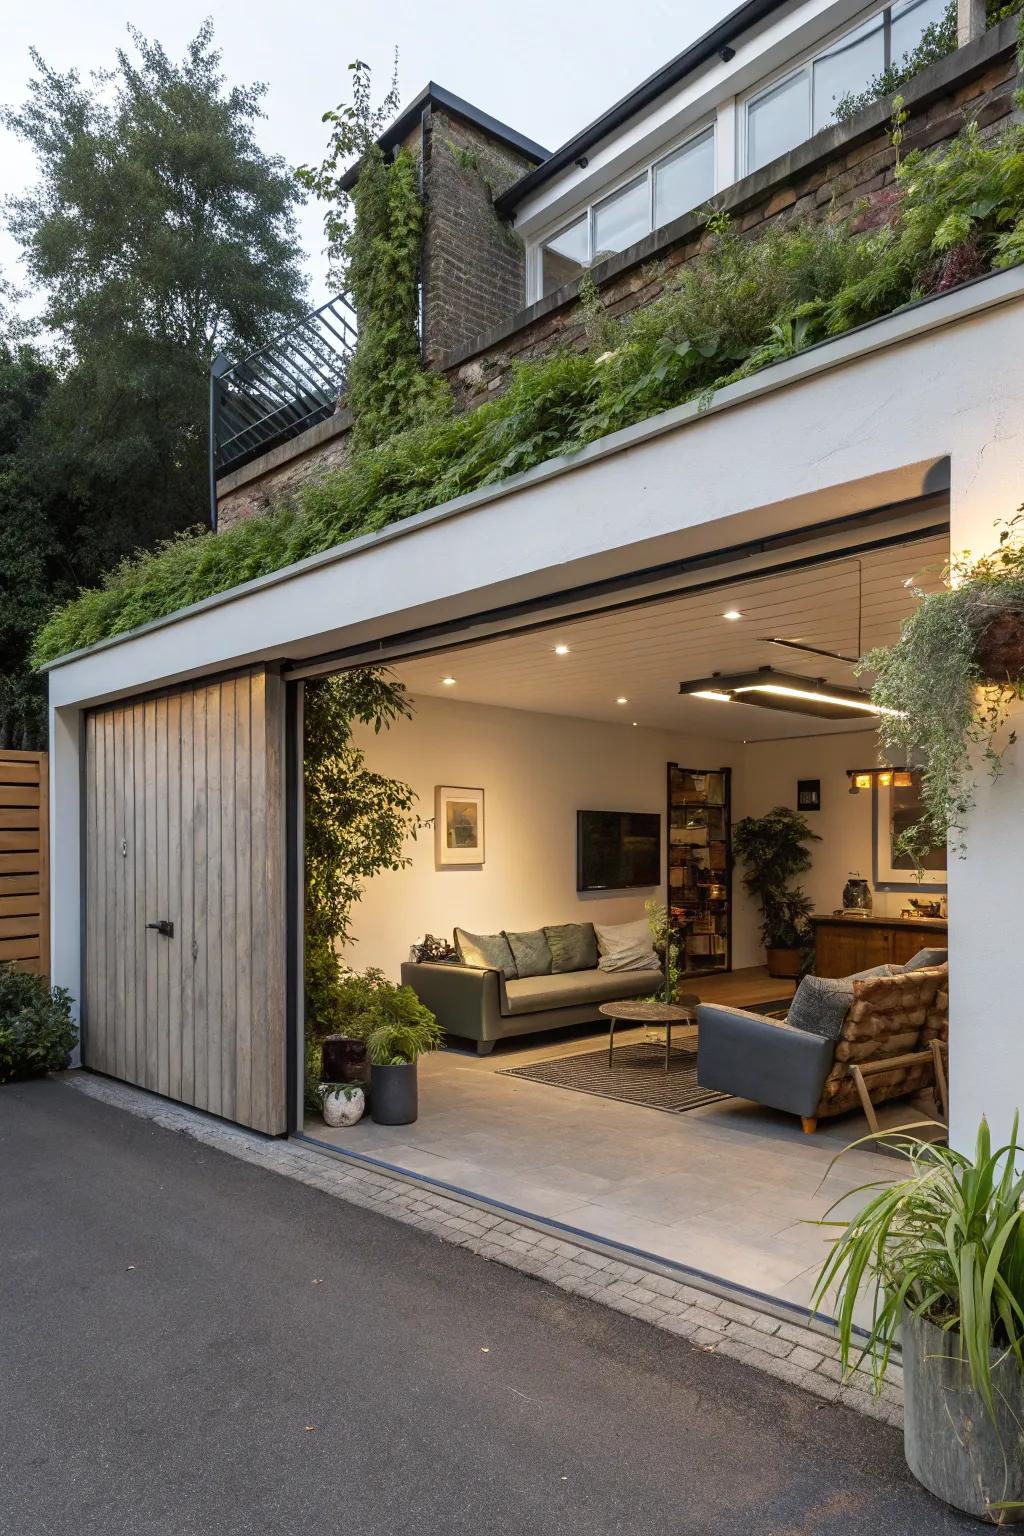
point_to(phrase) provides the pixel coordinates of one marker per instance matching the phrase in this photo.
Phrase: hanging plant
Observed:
(948, 684)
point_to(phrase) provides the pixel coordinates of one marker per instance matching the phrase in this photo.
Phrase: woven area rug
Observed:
(638, 1076)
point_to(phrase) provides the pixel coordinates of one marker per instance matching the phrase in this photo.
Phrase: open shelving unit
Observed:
(700, 866)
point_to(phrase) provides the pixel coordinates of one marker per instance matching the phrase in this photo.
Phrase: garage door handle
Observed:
(163, 926)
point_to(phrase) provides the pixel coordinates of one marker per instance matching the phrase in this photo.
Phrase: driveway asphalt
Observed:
(191, 1344)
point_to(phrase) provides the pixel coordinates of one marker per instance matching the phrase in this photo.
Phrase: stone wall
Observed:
(473, 265)
(275, 475)
(473, 261)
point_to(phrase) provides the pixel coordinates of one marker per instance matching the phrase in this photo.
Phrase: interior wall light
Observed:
(786, 691)
(449, 682)
(864, 778)
(561, 650)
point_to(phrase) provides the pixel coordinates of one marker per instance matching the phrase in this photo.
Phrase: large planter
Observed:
(342, 1105)
(344, 1060)
(999, 649)
(393, 1095)
(784, 962)
(952, 1445)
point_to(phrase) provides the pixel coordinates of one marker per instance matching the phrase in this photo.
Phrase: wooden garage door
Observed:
(183, 806)
(24, 865)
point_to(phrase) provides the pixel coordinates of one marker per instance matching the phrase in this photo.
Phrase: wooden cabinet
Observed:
(843, 945)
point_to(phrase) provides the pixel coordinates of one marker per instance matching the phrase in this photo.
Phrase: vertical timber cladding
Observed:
(24, 861)
(184, 825)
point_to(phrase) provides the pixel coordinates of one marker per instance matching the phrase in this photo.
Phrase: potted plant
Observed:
(397, 1029)
(940, 1256)
(772, 848)
(947, 685)
(342, 1104)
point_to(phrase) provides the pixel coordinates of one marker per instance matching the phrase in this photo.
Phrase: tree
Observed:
(160, 234)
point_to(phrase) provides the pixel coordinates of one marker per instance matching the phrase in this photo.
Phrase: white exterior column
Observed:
(65, 856)
(986, 888)
(970, 21)
(726, 154)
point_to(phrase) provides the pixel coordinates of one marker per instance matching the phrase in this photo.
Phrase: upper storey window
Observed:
(805, 100)
(662, 192)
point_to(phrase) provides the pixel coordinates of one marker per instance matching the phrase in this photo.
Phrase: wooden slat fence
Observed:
(24, 861)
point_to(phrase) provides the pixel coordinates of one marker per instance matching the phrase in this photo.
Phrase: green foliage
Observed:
(356, 824)
(374, 236)
(36, 1032)
(937, 42)
(667, 946)
(772, 848)
(948, 1244)
(739, 306)
(159, 233)
(395, 1025)
(939, 710)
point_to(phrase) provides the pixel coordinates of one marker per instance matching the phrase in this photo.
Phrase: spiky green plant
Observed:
(947, 1244)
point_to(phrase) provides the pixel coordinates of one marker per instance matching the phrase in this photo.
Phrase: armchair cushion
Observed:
(927, 959)
(820, 1005)
(766, 1060)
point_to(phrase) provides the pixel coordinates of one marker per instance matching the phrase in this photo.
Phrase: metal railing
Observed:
(283, 389)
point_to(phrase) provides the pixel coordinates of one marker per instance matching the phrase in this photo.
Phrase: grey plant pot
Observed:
(393, 1094)
(952, 1445)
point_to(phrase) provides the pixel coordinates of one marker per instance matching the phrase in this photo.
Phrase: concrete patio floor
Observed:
(730, 1189)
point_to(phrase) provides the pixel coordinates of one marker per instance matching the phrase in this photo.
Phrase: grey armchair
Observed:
(767, 1060)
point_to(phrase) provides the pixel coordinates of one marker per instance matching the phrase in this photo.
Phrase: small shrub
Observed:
(36, 1032)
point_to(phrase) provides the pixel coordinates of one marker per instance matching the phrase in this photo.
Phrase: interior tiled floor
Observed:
(731, 1189)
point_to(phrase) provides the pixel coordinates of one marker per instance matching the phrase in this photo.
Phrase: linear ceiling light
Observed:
(783, 690)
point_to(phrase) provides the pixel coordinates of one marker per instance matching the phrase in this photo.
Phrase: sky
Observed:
(545, 69)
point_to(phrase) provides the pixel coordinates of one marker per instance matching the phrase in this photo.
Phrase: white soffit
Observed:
(642, 653)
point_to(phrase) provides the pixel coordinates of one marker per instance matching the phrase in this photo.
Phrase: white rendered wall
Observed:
(537, 771)
(851, 425)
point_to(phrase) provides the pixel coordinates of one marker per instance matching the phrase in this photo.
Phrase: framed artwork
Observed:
(895, 809)
(808, 794)
(458, 827)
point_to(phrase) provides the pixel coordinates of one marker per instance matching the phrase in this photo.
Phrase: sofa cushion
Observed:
(820, 1005)
(927, 960)
(573, 947)
(486, 952)
(569, 989)
(625, 946)
(531, 952)
(875, 970)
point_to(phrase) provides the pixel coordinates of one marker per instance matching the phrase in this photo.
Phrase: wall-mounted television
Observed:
(617, 850)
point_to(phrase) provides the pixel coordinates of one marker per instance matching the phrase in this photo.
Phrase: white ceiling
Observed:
(643, 653)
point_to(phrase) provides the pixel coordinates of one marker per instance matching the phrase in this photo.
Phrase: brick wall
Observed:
(473, 266)
(473, 261)
(848, 168)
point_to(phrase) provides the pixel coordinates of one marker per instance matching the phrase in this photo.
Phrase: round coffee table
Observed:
(662, 1014)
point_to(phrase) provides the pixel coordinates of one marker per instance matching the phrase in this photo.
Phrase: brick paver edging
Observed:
(797, 1353)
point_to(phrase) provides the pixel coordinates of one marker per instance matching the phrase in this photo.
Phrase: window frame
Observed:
(707, 127)
(803, 64)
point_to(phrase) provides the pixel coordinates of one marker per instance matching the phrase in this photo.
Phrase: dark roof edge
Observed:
(723, 32)
(433, 95)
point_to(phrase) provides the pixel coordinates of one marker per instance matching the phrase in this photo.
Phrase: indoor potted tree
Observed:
(940, 1256)
(772, 848)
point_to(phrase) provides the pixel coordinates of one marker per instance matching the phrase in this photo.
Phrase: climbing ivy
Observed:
(374, 236)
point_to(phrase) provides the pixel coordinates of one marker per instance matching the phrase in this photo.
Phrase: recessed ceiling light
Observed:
(733, 614)
(622, 699)
(561, 650)
(636, 722)
(449, 682)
